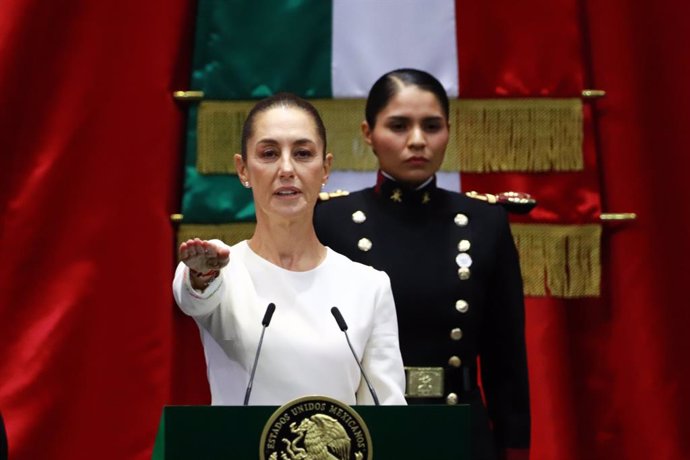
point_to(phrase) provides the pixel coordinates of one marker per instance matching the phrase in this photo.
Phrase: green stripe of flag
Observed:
(248, 50)
(252, 49)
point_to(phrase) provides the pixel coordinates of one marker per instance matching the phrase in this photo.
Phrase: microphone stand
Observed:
(343, 327)
(265, 322)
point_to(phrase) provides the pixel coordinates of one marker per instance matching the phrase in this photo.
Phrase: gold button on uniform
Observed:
(364, 244)
(456, 333)
(461, 220)
(358, 217)
(462, 306)
(464, 245)
(454, 361)
(452, 399)
(463, 273)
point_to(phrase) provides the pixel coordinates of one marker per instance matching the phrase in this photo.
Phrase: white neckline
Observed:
(254, 256)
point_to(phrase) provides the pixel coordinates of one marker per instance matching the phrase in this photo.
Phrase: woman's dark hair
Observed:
(281, 100)
(392, 82)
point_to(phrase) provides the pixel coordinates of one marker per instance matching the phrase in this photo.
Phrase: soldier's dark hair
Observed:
(286, 100)
(389, 84)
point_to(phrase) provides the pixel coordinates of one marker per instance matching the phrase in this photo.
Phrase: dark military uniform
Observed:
(458, 292)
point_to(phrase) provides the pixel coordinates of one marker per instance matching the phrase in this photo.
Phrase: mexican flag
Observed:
(319, 50)
(520, 113)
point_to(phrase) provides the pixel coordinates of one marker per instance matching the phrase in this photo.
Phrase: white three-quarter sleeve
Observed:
(382, 360)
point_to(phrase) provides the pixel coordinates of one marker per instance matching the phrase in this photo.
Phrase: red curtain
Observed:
(607, 375)
(90, 156)
(639, 54)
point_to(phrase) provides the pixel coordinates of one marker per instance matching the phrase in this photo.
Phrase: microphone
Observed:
(343, 327)
(264, 322)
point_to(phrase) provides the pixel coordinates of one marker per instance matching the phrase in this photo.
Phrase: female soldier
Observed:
(452, 263)
(227, 289)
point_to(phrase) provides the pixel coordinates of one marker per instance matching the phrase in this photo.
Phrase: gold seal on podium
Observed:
(315, 427)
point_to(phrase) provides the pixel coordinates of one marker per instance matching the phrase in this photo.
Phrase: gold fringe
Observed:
(343, 119)
(219, 135)
(556, 260)
(559, 260)
(534, 135)
(229, 233)
(530, 135)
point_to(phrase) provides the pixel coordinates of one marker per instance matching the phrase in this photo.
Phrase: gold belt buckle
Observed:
(424, 382)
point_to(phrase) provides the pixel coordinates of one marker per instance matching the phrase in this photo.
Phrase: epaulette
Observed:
(325, 196)
(515, 202)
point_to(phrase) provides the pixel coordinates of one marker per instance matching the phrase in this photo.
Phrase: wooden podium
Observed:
(234, 432)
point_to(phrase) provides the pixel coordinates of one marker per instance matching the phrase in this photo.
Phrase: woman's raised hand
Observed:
(203, 256)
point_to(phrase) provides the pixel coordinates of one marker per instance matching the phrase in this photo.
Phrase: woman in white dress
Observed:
(227, 289)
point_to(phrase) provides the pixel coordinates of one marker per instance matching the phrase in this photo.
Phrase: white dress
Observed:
(304, 352)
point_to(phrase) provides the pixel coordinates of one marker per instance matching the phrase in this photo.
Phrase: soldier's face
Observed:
(410, 135)
(285, 165)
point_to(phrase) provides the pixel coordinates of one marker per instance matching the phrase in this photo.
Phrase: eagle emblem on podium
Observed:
(315, 428)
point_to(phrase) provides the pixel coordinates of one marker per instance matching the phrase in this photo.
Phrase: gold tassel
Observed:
(219, 135)
(228, 233)
(530, 135)
(343, 118)
(556, 260)
(535, 135)
(559, 260)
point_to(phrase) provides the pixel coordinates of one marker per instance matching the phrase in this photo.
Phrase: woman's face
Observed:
(410, 135)
(285, 165)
